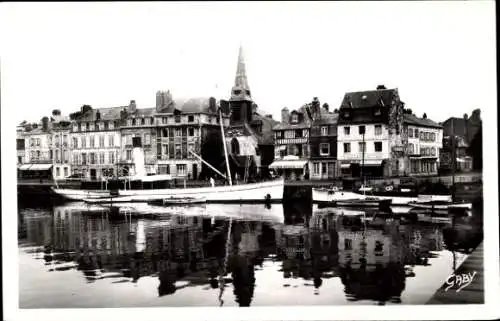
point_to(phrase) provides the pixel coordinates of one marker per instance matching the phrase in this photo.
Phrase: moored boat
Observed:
(439, 205)
(366, 202)
(178, 201)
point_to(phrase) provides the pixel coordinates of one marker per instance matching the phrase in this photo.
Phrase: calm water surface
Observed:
(74, 256)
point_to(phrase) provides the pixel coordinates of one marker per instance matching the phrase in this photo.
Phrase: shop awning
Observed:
(40, 167)
(288, 164)
(372, 162)
(345, 165)
(24, 167)
(464, 160)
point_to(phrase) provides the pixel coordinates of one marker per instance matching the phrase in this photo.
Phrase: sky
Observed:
(440, 55)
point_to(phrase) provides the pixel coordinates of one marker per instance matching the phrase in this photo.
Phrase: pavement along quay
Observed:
(466, 285)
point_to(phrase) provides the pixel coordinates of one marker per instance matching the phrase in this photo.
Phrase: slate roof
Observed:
(421, 122)
(327, 118)
(110, 113)
(370, 98)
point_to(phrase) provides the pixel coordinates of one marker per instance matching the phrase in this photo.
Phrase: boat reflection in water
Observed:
(218, 254)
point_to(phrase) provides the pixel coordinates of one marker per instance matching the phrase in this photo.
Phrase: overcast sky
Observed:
(441, 55)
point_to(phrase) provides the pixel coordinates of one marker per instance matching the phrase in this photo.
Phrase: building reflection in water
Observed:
(371, 262)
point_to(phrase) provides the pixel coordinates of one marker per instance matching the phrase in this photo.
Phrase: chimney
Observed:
(98, 115)
(124, 113)
(466, 123)
(212, 104)
(285, 116)
(381, 87)
(45, 123)
(424, 116)
(132, 107)
(159, 100)
(326, 107)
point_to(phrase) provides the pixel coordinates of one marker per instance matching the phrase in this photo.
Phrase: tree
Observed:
(475, 149)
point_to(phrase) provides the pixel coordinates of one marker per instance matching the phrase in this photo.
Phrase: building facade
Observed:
(425, 141)
(370, 137)
(61, 147)
(291, 144)
(95, 142)
(323, 143)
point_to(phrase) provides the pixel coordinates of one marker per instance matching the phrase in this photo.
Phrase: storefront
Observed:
(291, 168)
(35, 171)
(369, 168)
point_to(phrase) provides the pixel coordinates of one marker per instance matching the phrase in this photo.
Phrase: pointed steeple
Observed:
(241, 90)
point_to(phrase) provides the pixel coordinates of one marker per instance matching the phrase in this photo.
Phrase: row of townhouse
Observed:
(369, 135)
(97, 143)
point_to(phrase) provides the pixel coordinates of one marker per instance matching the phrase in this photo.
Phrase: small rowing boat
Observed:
(366, 202)
(178, 201)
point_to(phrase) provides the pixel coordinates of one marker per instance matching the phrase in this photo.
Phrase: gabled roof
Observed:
(327, 118)
(421, 122)
(370, 98)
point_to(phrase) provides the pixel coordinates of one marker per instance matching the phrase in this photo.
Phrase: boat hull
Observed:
(254, 192)
(441, 206)
(327, 196)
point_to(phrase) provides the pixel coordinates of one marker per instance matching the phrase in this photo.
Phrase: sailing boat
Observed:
(145, 188)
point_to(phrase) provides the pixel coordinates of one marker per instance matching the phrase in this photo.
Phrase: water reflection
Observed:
(371, 258)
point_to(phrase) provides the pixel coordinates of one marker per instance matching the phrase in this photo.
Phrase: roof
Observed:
(421, 122)
(110, 113)
(327, 118)
(370, 98)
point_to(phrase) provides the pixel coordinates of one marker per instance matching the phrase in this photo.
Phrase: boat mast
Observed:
(225, 147)
(363, 162)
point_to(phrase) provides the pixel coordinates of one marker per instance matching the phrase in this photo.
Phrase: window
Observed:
(324, 149)
(361, 130)
(190, 118)
(79, 127)
(347, 130)
(147, 139)
(143, 121)
(378, 146)
(433, 137)
(433, 151)
(92, 141)
(92, 158)
(164, 120)
(177, 118)
(416, 133)
(97, 126)
(38, 154)
(133, 122)
(190, 148)
(129, 154)
(362, 147)
(422, 136)
(324, 131)
(178, 151)
(181, 169)
(378, 130)
(305, 133)
(75, 142)
(190, 131)
(164, 169)
(410, 132)
(316, 168)
(84, 142)
(65, 171)
(106, 125)
(289, 134)
(111, 157)
(411, 149)
(324, 168)
(58, 171)
(101, 141)
(128, 140)
(178, 132)
(295, 118)
(111, 141)
(101, 158)
(347, 147)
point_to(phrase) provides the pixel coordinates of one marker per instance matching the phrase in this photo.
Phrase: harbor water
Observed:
(77, 256)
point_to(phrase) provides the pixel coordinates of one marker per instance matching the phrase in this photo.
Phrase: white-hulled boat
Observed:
(440, 205)
(253, 192)
(325, 195)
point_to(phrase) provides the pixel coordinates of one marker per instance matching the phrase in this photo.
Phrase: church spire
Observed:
(241, 90)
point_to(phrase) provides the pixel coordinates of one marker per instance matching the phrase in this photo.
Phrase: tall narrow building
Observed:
(249, 137)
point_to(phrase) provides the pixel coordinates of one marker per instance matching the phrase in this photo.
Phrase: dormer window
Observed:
(377, 112)
(295, 118)
(133, 121)
(346, 114)
(248, 92)
(143, 121)
(237, 92)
